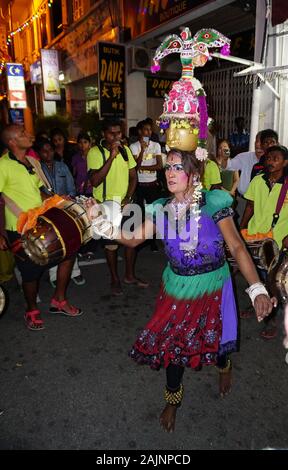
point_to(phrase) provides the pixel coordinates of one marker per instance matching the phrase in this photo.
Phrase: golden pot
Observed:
(182, 139)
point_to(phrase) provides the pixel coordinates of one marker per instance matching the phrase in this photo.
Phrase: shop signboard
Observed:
(16, 86)
(50, 74)
(111, 80)
(36, 73)
(144, 15)
(157, 87)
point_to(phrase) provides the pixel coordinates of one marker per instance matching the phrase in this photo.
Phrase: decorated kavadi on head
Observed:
(185, 116)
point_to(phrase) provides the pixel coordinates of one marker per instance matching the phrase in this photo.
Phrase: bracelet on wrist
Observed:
(256, 289)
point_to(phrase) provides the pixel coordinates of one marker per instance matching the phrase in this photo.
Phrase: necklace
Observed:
(180, 207)
(189, 243)
(272, 183)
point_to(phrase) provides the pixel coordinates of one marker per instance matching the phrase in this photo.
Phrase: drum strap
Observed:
(12, 206)
(280, 202)
(39, 172)
(104, 181)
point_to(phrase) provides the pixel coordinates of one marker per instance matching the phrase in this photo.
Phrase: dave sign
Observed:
(111, 80)
(158, 87)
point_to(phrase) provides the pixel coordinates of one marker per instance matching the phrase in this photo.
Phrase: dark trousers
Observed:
(174, 374)
(147, 192)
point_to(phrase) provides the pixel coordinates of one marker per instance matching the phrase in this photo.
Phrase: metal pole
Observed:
(254, 126)
(35, 99)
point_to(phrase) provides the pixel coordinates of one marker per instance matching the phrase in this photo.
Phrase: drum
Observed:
(58, 233)
(281, 279)
(2, 300)
(265, 253)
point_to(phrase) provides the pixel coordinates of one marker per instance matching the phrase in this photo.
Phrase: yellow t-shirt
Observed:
(211, 175)
(117, 179)
(19, 185)
(265, 202)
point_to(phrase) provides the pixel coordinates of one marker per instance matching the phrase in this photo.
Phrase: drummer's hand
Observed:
(90, 202)
(92, 208)
(263, 306)
(3, 243)
(285, 242)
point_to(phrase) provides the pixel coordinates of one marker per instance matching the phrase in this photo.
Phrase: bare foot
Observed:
(168, 417)
(225, 382)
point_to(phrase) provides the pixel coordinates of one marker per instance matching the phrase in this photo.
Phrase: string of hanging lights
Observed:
(29, 21)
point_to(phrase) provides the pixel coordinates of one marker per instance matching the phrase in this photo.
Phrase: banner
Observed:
(111, 80)
(50, 74)
(16, 86)
(143, 15)
(157, 87)
(16, 116)
(36, 73)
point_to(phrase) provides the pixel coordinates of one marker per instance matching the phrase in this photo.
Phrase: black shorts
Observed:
(29, 271)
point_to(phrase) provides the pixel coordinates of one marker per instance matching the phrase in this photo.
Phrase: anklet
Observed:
(174, 398)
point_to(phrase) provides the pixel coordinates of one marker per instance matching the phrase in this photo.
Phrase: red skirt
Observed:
(181, 332)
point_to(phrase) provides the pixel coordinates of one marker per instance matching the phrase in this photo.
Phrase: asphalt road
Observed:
(73, 386)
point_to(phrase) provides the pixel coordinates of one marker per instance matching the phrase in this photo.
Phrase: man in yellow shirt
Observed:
(211, 178)
(112, 172)
(22, 186)
(259, 217)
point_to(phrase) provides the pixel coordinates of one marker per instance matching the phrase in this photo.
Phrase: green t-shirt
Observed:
(19, 185)
(227, 179)
(117, 179)
(211, 175)
(265, 202)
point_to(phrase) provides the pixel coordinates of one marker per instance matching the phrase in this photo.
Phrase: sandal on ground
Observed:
(63, 307)
(33, 321)
(269, 332)
(137, 282)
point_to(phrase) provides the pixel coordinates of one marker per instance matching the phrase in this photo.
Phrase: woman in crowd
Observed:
(64, 150)
(79, 165)
(230, 179)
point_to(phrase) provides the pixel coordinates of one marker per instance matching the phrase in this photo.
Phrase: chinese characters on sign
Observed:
(16, 86)
(50, 74)
(111, 78)
(158, 87)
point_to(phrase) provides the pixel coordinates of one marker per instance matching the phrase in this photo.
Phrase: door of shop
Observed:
(227, 97)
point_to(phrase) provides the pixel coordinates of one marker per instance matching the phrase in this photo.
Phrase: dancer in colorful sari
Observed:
(195, 319)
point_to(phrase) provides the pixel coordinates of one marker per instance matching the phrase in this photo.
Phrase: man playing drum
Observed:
(21, 187)
(267, 209)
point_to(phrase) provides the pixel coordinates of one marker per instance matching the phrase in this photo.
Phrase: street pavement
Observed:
(73, 386)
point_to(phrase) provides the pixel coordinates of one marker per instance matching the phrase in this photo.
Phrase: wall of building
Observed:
(136, 98)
